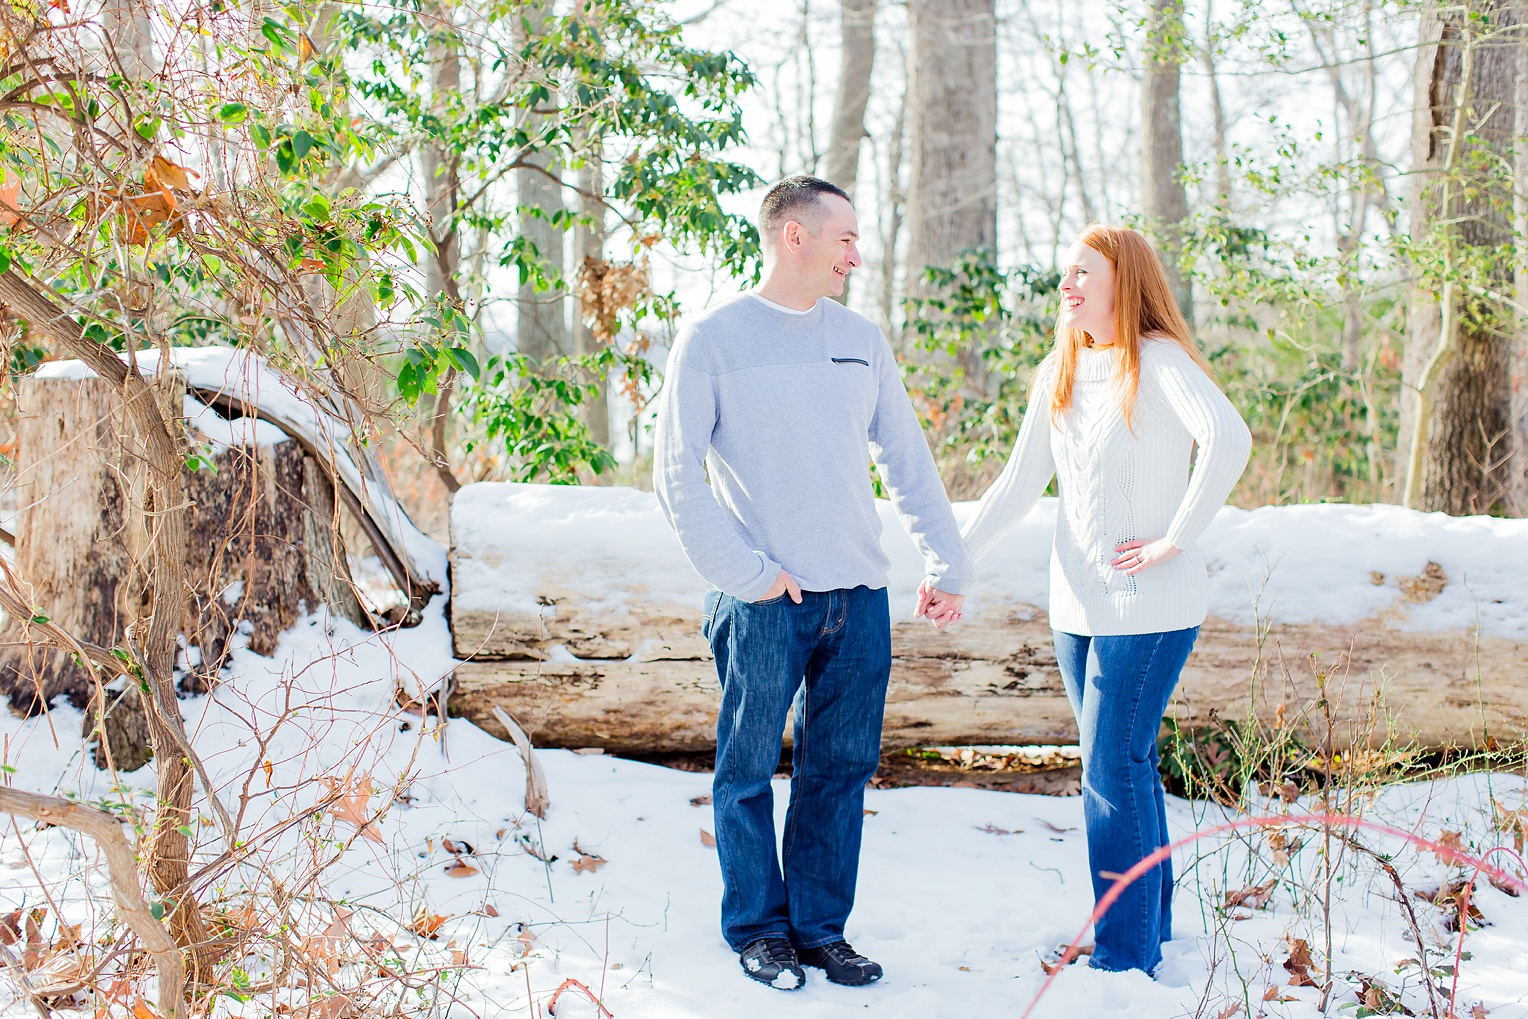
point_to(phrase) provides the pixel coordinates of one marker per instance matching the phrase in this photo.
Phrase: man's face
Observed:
(822, 254)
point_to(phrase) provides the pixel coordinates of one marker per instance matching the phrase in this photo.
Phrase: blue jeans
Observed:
(1119, 688)
(835, 650)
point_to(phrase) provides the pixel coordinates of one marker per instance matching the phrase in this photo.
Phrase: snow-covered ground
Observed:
(962, 891)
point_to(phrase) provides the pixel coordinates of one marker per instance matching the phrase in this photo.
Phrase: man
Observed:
(784, 397)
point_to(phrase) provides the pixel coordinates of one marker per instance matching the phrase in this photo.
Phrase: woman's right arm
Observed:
(1030, 468)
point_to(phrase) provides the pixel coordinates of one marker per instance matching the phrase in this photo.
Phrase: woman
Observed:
(1114, 414)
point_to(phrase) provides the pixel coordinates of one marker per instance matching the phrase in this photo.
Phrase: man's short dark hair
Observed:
(795, 198)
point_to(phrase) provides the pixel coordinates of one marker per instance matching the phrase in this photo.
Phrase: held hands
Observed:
(784, 583)
(939, 607)
(1135, 556)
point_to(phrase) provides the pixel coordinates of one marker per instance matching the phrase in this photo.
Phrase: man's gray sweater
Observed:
(786, 412)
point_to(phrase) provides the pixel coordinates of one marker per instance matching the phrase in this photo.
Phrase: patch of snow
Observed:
(223, 433)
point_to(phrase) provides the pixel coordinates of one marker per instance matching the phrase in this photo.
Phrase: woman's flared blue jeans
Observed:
(1119, 687)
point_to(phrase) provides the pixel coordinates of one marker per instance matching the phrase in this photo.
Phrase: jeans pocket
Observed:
(708, 613)
(777, 599)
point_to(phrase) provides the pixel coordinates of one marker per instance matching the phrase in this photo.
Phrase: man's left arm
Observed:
(900, 450)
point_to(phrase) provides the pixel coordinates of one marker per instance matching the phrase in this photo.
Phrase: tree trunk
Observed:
(543, 332)
(1457, 402)
(1207, 57)
(149, 441)
(952, 190)
(130, 33)
(1164, 203)
(442, 186)
(589, 250)
(857, 56)
(1519, 368)
(857, 24)
(262, 548)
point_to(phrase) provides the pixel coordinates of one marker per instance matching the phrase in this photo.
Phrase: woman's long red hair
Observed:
(1143, 306)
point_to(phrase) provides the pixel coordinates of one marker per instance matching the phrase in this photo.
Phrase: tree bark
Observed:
(1164, 202)
(649, 685)
(1457, 400)
(153, 652)
(589, 250)
(1518, 505)
(262, 548)
(857, 57)
(442, 185)
(952, 189)
(543, 332)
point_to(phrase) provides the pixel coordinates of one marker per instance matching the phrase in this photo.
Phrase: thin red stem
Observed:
(1464, 915)
(1125, 880)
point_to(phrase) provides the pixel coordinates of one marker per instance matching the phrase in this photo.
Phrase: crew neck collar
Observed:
(780, 307)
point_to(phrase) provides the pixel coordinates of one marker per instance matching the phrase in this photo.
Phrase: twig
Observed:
(122, 869)
(537, 799)
(176, 727)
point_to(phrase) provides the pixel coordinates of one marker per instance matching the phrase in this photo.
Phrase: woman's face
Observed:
(1087, 294)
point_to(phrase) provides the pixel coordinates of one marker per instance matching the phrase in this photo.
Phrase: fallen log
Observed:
(577, 612)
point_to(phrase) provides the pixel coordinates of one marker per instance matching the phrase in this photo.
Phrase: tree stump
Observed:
(263, 548)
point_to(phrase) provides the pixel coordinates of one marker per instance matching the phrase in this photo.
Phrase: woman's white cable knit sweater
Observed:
(1120, 483)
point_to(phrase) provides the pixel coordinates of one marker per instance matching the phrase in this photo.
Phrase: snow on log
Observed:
(577, 611)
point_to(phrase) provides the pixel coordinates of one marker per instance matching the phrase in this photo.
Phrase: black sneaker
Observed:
(842, 964)
(773, 961)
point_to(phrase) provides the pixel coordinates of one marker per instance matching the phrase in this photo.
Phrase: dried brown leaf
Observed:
(992, 829)
(707, 839)
(1514, 823)
(1299, 963)
(700, 801)
(1254, 896)
(588, 863)
(463, 869)
(427, 925)
(1229, 1010)
(489, 909)
(166, 174)
(1450, 843)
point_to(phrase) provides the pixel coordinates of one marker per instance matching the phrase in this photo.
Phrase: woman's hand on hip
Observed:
(1135, 556)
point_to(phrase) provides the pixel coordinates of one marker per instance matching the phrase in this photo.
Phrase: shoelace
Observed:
(844, 955)
(775, 951)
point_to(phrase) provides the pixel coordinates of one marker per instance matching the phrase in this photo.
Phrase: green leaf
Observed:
(5, 259)
(317, 209)
(233, 113)
(302, 143)
(466, 362)
(39, 618)
(157, 910)
(261, 135)
(185, 830)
